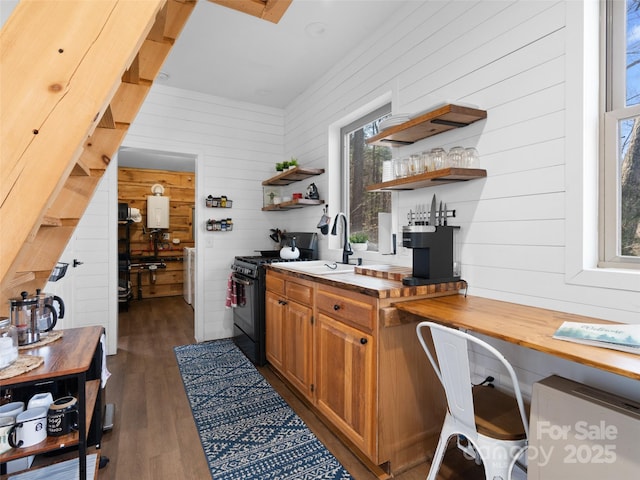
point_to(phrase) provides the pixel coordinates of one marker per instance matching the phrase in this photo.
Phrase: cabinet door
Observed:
(274, 317)
(345, 373)
(298, 346)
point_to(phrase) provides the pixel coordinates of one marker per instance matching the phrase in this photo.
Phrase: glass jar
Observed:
(471, 158)
(415, 165)
(401, 167)
(427, 164)
(8, 343)
(438, 158)
(454, 157)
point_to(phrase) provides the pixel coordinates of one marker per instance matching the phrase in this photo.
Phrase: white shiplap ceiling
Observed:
(230, 54)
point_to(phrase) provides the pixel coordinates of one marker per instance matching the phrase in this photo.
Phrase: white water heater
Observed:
(157, 208)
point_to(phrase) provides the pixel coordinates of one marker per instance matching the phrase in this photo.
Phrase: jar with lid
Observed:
(8, 343)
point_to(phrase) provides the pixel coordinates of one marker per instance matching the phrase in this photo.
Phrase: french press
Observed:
(26, 312)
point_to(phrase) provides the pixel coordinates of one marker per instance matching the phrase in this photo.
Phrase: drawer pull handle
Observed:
(363, 341)
(336, 307)
(282, 302)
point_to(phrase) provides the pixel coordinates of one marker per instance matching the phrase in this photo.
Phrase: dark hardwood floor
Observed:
(154, 435)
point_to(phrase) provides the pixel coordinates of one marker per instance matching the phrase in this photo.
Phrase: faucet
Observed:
(346, 246)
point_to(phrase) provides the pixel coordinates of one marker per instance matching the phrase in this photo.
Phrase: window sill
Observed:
(613, 278)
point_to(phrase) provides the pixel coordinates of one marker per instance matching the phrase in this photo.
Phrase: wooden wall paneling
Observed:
(168, 281)
(134, 186)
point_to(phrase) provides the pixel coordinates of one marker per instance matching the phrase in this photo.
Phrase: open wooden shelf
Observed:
(428, 124)
(293, 175)
(91, 474)
(54, 443)
(430, 179)
(295, 203)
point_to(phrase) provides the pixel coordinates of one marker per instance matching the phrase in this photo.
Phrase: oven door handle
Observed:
(242, 281)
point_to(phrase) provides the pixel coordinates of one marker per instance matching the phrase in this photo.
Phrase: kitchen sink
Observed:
(317, 267)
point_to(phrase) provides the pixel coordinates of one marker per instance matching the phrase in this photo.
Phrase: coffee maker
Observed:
(435, 249)
(433, 254)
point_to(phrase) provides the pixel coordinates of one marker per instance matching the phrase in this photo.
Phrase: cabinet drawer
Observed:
(275, 283)
(358, 310)
(299, 292)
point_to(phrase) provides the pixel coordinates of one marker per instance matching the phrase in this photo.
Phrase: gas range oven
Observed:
(248, 276)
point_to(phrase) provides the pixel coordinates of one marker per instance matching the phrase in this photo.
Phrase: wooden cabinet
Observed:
(345, 376)
(289, 329)
(359, 367)
(274, 320)
(346, 364)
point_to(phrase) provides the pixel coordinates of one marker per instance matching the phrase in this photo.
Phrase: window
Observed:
(362, 165)
(620, 198)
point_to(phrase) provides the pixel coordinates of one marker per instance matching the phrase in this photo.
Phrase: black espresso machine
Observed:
(435, 247)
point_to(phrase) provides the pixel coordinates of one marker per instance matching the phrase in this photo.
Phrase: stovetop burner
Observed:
(260, 260)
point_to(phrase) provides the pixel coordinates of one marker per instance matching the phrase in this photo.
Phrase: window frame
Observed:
(613, 101)
(378, 112)
(582, 153)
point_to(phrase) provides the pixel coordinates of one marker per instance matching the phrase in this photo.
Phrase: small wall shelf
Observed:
(222, 225)
(430, 179)
(428, 124)
(293, 175)
(218, 202)
(295, 203)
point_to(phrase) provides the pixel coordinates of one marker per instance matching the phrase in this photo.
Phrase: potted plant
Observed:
(358, 241)
(293, 163)
(279, 167)
(285, 165)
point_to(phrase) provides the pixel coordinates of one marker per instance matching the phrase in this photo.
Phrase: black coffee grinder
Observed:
(435, 252)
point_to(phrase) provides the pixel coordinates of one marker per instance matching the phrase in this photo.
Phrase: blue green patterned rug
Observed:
(247, 430)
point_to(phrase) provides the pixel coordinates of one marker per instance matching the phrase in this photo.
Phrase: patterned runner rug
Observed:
(247, 430)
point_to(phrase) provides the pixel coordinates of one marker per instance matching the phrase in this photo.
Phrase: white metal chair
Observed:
(495, 427)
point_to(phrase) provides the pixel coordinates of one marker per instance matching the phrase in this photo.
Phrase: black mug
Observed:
(62, 417)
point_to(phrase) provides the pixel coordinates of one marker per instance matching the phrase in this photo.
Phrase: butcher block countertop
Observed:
(529, 327)
(380, 281)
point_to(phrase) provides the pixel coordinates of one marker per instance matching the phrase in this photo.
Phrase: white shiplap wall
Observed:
(508, 57)
(236, 145)
(89, 291)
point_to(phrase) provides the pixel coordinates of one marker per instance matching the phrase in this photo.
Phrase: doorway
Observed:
(152, 260)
